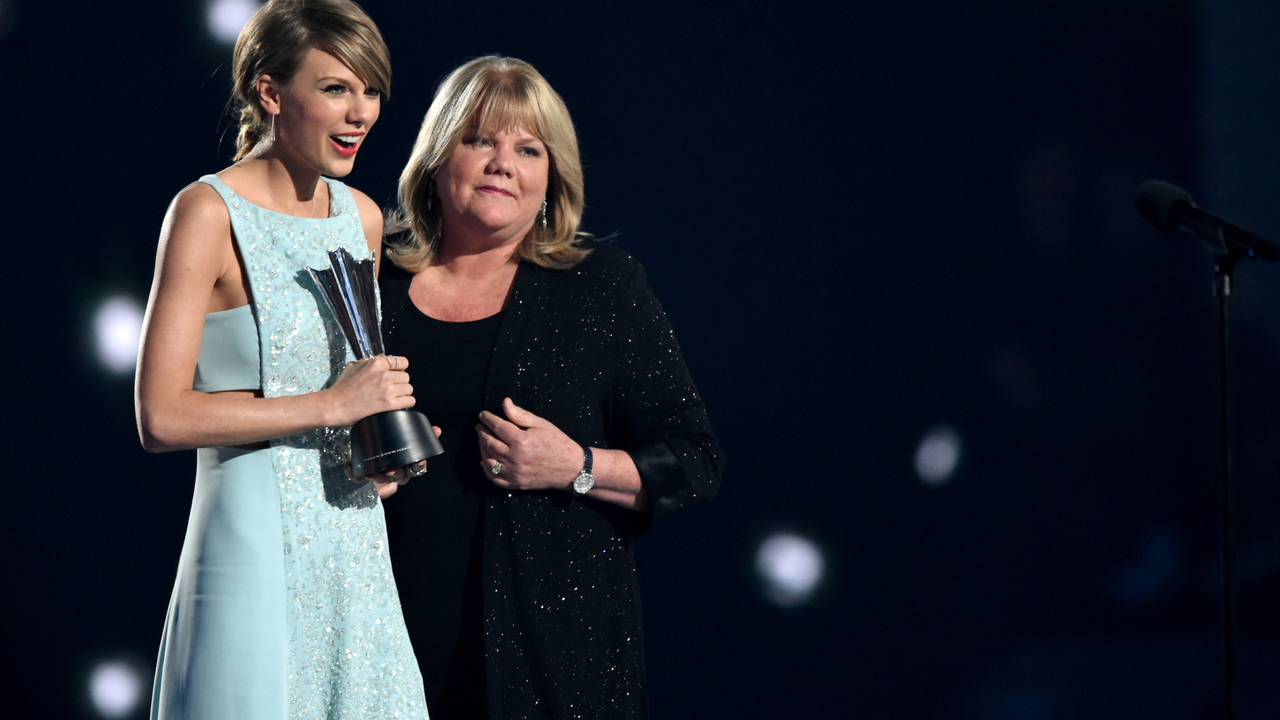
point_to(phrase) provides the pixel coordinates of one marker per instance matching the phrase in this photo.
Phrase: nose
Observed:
(364, 110)
(502, 161)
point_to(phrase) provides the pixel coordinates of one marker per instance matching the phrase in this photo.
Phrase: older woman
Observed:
(514, 558)
(284, 604)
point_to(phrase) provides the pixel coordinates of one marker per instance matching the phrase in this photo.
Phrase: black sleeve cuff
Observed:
(662, 476)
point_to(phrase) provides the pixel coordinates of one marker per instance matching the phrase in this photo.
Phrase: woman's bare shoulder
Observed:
(200, 202)
(197, 221)
(370, 218)
(365, 204)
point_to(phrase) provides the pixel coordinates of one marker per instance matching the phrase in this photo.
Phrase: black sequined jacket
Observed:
(590, 350)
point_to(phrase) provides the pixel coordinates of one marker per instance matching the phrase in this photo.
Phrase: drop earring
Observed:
(544, 213)
(271, 131)
(431, 191)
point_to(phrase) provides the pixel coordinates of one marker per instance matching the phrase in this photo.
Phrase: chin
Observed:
(496, 220)
(339, 169)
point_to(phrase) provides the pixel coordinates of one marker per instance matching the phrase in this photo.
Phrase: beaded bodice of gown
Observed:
(348, 651)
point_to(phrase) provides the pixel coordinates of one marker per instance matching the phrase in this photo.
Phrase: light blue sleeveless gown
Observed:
(284, 605)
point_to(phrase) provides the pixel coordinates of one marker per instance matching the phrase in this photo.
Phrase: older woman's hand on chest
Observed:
(530, 452)
(527, 452)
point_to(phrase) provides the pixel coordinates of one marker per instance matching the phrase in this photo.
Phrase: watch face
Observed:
(583, 483)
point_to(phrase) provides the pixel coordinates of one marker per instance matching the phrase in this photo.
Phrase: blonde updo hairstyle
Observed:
(277, 38)
(485, 95)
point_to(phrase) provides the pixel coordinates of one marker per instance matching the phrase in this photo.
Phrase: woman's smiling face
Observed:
(493, 184)
(324, 114)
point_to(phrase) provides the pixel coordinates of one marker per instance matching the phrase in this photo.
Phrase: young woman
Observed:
(284, 604)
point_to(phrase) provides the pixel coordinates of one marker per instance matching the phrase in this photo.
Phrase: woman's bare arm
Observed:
(197, 271)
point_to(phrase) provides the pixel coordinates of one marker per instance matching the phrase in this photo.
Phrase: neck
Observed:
(472, 260)
(474, 252)
(288, 186)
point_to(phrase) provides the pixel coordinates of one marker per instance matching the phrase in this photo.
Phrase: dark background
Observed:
(865, 219)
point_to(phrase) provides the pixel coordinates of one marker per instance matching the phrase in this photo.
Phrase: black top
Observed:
(590, 350)
(437, 513)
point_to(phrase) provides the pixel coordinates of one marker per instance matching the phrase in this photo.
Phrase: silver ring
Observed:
(497, 468)
(392, 360)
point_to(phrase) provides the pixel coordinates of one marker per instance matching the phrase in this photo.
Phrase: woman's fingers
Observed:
(371, 386)
(495, 458)
(530, 453)
(518, 415)
(499, 427)
(535, 453)
(491, 443)
(414, 471)
(395, 368)
(397, 476)
(491, 447)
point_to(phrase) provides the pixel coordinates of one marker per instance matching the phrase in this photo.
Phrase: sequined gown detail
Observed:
(333, 644)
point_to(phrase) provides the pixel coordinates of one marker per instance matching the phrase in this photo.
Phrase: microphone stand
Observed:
(1171, 208)
(1225, 256)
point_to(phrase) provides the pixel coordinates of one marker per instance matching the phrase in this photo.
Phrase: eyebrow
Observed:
(521, 134)
(350, 79)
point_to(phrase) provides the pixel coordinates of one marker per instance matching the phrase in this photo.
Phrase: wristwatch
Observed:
(585, 480)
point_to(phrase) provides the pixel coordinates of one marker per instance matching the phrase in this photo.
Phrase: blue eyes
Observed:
(339, 88)
(526, 151)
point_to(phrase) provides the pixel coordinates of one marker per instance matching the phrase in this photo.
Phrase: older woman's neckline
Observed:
(463, 323)
(449, 297)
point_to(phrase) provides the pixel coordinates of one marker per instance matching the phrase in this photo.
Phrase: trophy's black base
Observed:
(390, 440)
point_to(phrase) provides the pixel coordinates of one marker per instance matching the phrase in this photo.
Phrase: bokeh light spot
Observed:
(115, 687)
(791, 567)
(227, 17)
(938, 455)
(118, 326)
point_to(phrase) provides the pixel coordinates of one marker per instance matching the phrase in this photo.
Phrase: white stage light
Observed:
(118, 326)
(938, 455)
(227, 17)
(791, 567)
(115, 687)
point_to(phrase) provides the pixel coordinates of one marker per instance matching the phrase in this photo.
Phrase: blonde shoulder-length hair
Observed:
(488, 94)
(277, 38)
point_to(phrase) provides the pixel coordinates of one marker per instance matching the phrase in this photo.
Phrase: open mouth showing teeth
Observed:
(346, 141)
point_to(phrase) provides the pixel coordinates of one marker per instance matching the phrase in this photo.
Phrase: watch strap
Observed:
(585, 479)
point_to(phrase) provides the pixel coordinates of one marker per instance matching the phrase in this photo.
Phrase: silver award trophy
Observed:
(387, 440)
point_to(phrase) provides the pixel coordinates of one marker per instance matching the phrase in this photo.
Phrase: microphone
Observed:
(1171, 208)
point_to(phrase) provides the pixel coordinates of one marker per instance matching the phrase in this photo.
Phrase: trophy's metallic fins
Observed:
(369, 304)
(342, 263)
(330, 291)
(387, 440)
